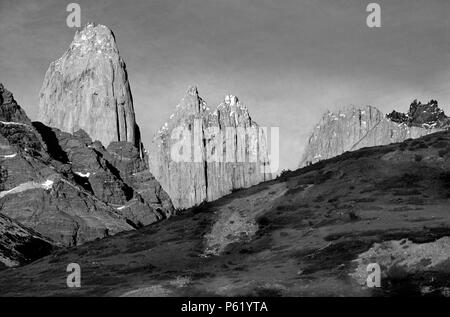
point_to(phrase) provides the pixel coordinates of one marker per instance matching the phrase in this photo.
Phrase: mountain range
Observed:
(78, 186)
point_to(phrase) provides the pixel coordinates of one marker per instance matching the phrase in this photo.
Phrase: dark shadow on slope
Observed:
(51, 141)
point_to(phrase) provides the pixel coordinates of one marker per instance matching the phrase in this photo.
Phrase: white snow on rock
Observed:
(9, 156)
(11, 123)
(83, 174)
(48, 184)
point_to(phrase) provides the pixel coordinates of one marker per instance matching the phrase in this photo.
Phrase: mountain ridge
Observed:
(72, 189)
(202, 154)
(354, 127)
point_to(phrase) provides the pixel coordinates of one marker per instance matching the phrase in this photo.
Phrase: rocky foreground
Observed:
(68, 188)
(311, 232)
(20, 245)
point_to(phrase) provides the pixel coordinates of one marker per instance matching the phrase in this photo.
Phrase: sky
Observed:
(288, 61)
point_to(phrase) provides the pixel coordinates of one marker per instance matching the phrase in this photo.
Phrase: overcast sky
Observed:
(287, 60)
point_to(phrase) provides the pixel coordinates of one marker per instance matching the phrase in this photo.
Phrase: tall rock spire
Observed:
(201, 155)
(88, 88)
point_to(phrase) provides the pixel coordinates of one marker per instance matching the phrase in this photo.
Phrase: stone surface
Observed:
(356, 127)
(42, 193)
(201, 155)
(9, 110)
(20, 245)
(71, 189)
(88, 88)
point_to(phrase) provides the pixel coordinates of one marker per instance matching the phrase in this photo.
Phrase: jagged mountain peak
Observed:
(10, 111)
(192, 90)
(88, 88)
(92, 41)
(5, 95)
(231, 100)
(98, 38)
(233, 108)
(242, 157)
(354, 127)
(421, 115)
(191, 103)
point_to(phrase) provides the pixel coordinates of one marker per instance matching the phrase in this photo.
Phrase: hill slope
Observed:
(311, 232)
(20, 245)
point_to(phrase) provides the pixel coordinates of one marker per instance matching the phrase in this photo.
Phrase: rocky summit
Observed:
(10, 111)
(201, 155)
(71, 189)
(88, 88)
(354, 127)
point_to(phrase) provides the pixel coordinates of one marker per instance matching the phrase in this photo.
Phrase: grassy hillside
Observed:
(310, 232)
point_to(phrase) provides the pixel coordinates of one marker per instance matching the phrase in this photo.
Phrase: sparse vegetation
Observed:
(440, 144)
(444, 152)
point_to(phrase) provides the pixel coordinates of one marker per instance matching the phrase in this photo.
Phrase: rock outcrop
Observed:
(356, 127)
(10, 111)
(71, 189)
(201, 155)
(87, 88)
(20, 245)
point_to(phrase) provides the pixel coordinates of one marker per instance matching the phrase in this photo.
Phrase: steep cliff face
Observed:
(87, 88)
(356, 127)
(71, 189)
(201, 155)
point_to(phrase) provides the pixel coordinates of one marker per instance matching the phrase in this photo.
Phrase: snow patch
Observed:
(10, 155)
(83, 174)
(48, 184)
(12, 123)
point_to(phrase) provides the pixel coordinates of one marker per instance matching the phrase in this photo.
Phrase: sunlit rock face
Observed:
(354, 127)
(201, 155)
(87, 88)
